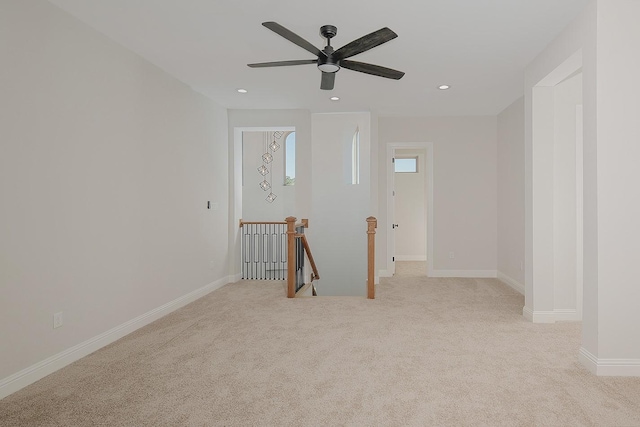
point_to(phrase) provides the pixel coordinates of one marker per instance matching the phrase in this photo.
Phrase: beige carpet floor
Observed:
(425, 352)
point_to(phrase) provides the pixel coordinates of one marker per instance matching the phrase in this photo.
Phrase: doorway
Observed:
(410, 224)
(410, 207)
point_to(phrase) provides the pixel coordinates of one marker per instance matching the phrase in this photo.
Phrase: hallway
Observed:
(411, 268)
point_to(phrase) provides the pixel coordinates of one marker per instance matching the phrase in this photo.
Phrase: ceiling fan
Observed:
(330, 61)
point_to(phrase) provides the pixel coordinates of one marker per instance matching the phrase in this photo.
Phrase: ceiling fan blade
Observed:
(328, 79)
(364, 43)
(292, 37)
(374, 70)
(283, 63)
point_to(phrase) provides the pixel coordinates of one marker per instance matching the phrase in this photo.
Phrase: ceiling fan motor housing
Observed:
(328, 31)
(327, 62)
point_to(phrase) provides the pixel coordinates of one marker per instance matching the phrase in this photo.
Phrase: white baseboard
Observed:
(557, 315)
(517, 286)
(609, 367)
(383, 273)
(527, 313)
(464, 273)
(33, 373)
(411, 257)
(235, 278)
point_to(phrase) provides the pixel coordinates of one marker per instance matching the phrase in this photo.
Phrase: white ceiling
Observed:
(479, 47)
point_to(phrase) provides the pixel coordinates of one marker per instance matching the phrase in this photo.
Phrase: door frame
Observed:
(391, 150)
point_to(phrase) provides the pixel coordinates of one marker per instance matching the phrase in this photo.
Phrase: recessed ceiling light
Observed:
(335, 98)
(242, 90)
(444, 87)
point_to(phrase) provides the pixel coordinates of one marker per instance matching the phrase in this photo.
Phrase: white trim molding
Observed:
(517, 286)
(33, 373)
(557, 315)
(464, 273)
(609, 367)
(411, 258)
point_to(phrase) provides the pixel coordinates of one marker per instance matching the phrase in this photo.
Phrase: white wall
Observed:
(559, 175)
(340, 209)
(618, 152)
(511, 195)
(567, 96)
(605, 36)
(574, 49)
(411, 209)
(106, 166)
(465, 195)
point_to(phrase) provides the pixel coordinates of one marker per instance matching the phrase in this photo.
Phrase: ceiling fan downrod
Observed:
(328, 64)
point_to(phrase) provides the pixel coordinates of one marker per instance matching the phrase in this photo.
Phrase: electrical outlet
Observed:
(452, 255)
(214, 206)
(57, 320)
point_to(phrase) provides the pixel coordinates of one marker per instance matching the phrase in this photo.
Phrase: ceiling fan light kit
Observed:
(328, 61)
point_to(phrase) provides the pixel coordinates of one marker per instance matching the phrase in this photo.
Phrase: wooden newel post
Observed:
(372, 224)
(291, 256)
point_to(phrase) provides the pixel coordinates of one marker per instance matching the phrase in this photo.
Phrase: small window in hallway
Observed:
(406, 165)
(355, 158)
(290, 159)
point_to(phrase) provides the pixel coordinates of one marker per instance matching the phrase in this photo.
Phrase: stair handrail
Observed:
(292, 235)
(307, 249)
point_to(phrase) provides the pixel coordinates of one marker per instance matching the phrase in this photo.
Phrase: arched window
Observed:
(290, 159)
(355, 158)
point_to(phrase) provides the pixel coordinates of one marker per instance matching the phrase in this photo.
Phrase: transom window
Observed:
(406, 165)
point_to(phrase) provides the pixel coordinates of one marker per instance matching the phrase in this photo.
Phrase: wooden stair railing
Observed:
(305, 242)
(263, 250)
(314, 269)
(263, 253)
(292, 235)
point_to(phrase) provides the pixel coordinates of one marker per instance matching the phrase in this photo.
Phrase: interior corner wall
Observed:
(511, 195)
(465, 194)
(106, 167)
